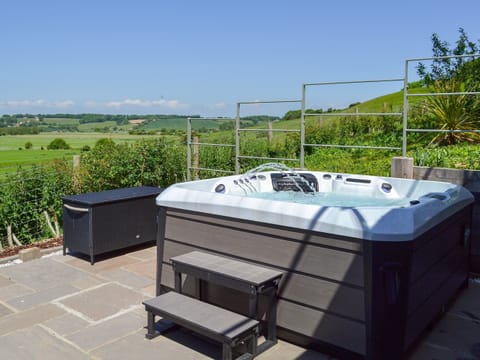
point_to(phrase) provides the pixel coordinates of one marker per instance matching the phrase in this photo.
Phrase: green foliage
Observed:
(58, 144)
(28, 145)
(445, 67)
(27, 193)
(350, 161)
(20, 130)
(463, 156)
(452, 112)
(361, 130)
(105, 142)
(156, 162)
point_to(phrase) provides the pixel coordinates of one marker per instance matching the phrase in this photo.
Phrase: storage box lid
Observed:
(109, 196)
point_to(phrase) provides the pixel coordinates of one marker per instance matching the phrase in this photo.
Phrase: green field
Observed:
(181, 124)
(14, 154)
(60, 121)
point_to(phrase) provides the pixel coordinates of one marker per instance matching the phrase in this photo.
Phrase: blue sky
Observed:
(202, 57)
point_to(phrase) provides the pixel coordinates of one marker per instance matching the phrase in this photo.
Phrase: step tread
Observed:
(198, 315)
(234, 269)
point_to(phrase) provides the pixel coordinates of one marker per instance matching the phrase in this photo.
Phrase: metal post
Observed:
(302, 129)
(405, 111)
(189, 151)
(237, 140)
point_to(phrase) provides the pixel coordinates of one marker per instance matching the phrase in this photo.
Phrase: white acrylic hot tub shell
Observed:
(368, 223)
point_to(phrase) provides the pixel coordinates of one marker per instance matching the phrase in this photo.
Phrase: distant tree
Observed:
(105, 143)
(58, 144)
(443, 67)
(28, 145)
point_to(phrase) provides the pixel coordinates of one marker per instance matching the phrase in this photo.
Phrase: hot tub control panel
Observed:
(294, 182)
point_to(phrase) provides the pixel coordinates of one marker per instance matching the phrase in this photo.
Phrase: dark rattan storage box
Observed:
(100, 222)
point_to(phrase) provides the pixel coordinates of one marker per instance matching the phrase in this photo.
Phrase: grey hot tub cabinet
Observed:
(352, 298)
(100, 222)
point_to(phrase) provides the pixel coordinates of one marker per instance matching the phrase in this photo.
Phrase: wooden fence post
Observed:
(76, 168)
(196, 156)
(270, 132)
(402, 167)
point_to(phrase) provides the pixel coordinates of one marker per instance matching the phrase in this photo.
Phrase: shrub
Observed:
(156, 162)
(25, 196)
(58, 144)
(28, 145)
(105, 142)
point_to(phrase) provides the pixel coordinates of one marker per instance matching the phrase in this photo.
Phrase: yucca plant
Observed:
(454, 112)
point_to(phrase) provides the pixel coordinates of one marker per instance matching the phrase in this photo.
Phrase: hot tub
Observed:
(369, 261)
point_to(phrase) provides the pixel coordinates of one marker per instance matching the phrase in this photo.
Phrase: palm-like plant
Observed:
(454, 112)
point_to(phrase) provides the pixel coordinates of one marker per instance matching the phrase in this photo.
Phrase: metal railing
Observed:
(304, 115)
(238, 130)
(406, 96)
(339, 114)
(191, 143)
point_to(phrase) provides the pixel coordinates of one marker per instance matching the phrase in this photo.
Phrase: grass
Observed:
(391, 102)
(11, 160)
(88, 127)
(181, 124)
(75, 140)
(60, 121)
(11, 156)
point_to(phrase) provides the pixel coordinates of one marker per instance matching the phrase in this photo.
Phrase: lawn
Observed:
(11, 160)
(75, 140)
(14, 154)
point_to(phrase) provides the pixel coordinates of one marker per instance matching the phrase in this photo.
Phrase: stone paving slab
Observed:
(13, 291)
(287, 351)
(88, 282)
(144, 268)
(41, 297)
(458, 334)
(37, 343)
(94, 336)
(4, 310)
(144, 254)
(100, 265)
(28, 318)
(41, 273)
(468, 304)
(176, 345)
(103, 301)
(127, 278)
(5, 281)
(66, 324)
(432, 352)
(150, 291)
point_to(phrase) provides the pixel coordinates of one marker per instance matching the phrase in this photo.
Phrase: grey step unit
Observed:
(253, 280)
(226, 327)
(100, 222)
(203, 269)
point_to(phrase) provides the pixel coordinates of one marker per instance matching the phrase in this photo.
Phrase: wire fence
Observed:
(30, 209)
(31, 196)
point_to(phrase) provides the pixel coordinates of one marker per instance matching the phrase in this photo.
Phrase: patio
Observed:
(61, 307)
